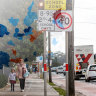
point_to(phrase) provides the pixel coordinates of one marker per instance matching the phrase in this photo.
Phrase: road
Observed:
(84, 88)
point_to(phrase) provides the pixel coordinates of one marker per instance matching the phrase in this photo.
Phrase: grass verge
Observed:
(61, 91)
(3, 80)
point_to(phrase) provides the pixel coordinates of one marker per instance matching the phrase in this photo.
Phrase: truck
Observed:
(83, 56)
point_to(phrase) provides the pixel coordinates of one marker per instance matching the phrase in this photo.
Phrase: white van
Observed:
(90, 73)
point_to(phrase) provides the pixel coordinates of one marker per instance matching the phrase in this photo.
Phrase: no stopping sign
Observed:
(64, 21)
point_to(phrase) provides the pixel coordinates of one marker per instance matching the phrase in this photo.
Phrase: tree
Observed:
(24, 48)
(55, 63)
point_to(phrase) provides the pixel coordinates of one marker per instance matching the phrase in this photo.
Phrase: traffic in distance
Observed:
(84, 66)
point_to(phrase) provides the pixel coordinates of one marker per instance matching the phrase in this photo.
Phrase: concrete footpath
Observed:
(34, 87)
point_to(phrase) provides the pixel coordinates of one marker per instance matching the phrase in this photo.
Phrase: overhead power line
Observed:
(86, 22)
(86, 8)
(88, 39)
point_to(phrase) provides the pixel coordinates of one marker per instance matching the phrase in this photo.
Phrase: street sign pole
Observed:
(49, 56)
(41, 7)
(66, 52)
(45, 71)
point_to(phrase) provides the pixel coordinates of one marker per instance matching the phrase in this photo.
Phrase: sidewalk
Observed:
(34, 87)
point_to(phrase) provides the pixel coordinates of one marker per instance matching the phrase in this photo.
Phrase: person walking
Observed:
(12, 78)
(21, 69)
(35, 69)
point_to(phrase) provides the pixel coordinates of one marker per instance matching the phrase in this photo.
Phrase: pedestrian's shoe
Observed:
(11, 90)
(22, 90)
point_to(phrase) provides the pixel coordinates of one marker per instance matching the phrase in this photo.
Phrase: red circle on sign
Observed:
(67, 15)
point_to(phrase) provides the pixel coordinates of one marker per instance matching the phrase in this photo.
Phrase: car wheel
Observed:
(77, 77)
(56, 72)
(64, 73)
(87, 80)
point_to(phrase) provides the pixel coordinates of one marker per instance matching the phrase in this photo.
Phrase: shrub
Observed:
(3, 80)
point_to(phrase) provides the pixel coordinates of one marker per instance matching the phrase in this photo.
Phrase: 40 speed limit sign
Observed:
(61, 22)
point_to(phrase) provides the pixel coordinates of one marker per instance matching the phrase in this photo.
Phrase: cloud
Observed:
(85, 23)
(54, 41)
(60, 38)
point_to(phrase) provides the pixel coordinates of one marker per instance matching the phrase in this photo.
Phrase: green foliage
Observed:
(58, 89)
(59, 59)
(28, 48)
(3, 81)
(55, 62)
(52, 84)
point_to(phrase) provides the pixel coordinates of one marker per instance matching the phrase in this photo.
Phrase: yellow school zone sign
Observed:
(54, 4)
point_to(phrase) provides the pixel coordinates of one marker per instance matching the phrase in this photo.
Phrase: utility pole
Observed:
(71, 65)
(49, 56)
(70, 54)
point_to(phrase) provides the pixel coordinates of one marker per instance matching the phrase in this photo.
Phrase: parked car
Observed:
(53, 69)
(59, 69)
(90, 73)
(64, 69)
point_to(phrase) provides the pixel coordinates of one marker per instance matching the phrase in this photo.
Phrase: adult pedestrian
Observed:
(35, 69)
(21, 69)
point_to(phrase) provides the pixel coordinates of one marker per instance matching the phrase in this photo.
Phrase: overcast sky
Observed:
(84, 27)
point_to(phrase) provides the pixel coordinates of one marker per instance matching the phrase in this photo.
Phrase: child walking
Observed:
(12, 78)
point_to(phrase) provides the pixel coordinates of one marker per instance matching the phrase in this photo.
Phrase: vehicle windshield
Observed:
(92, 68)
(60, 68)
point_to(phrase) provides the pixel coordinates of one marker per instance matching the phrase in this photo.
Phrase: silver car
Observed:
(59, 70)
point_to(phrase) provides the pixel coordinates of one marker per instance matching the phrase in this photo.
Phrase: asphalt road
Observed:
(85, 88)
(81, 79)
